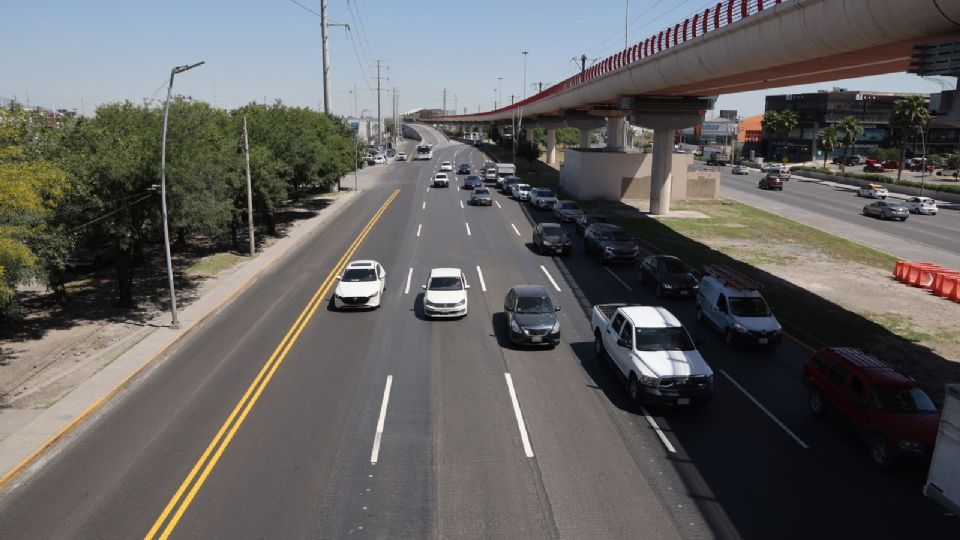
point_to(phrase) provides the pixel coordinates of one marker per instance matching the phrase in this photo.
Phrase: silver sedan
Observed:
(887, 210)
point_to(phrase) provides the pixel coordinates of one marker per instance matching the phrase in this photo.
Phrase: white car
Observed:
(401, 156)
(520, 192)
(922, 205)
(446, 293)
(740, 169)
(446, 166)
(873, 191)
(379, 159)
(542, 198)
(360, 286)
(441, 180)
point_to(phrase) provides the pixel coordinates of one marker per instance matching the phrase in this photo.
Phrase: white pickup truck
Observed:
(653, 353)
(943, 480)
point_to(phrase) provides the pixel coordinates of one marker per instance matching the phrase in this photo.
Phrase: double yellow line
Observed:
(201, 470)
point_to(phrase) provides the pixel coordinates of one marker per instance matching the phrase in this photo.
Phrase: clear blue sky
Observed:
(72, 54)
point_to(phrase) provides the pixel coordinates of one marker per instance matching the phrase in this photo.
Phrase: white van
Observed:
(732, 303)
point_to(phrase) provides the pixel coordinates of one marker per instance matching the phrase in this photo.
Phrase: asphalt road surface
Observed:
(837, 209)
(283, 419)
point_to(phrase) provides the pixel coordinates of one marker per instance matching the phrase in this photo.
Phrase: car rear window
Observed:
(903, 399)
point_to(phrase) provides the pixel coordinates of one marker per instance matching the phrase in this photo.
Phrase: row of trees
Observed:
(910, 114)
(91, 183)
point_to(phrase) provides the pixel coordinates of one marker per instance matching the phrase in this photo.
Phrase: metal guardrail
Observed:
(723, 14)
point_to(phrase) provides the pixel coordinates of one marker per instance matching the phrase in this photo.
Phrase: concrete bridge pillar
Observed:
(585, 136)
(529, 133)
(661, 175)
(615, 133)
(551, 146)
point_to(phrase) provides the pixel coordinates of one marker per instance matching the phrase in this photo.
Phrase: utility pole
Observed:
(379, 114)
(326, 56)
(511, 98)
(246, 157)
(455, 104)
(626, 18)
(583, 63)
(444, 101)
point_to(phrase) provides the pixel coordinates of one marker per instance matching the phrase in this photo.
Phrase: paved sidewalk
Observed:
(21, 447)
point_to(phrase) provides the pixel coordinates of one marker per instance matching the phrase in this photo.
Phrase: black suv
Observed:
(551, 238)
(610, 243)
(464, 168)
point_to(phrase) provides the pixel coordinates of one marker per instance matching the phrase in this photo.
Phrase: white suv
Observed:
(360, 286)
(446, 166)
(441, 180)
(446, 293)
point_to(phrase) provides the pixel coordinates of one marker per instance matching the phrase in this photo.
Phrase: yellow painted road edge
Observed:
(236, 418)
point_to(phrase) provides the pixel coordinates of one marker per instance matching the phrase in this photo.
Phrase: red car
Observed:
(891, 164)
(887, 408)
(874, 167)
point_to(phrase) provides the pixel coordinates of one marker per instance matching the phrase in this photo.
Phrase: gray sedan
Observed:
(567, 210)
(481, 197)
(887, 210)
(531, 316)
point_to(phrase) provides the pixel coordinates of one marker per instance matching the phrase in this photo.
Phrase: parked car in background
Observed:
(586, 220)
(464, 168)
(873, 167)
(891, 164)
(731, 302)
(472, 182)
(360, 286)
(887, 210)
(401, 156)
(888, 409)
(740, 169)
(919, 164)
(610, 243)
(531, 316)
(446, 166)
(542, 198)
(668, 276)
(481, 197)
(551, 238)
(771, 181)
(922, 205)
(567, 210)
(446, 293)
(441, 180)
(873, 191)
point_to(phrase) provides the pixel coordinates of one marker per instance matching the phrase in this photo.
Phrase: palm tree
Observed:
(772, 122)
(909, 113)
(849, 129)
(788, 122)
(780, 123)
(829, 140)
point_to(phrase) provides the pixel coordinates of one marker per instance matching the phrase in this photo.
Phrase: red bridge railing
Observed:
(724, 13)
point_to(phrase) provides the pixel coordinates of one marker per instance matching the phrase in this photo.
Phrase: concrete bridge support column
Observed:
(662, 174)
(585, 137)
(615, 133)
(529, 133)
(551, 146)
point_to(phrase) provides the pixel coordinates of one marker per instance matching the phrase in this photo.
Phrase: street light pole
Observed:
(923, 164)
(163, 191)
(501, 89)
(520, 111)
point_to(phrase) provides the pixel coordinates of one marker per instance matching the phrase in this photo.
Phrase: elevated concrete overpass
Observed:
(666, 80)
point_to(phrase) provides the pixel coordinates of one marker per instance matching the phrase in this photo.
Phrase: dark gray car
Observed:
(887, 210)
(610, 243)
(531, 316)
(551, 238)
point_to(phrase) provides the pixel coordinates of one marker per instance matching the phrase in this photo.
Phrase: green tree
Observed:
(910, 113)
(849, 129)
(828, 139)
(493, 133)
(779, 123)
(528, 150)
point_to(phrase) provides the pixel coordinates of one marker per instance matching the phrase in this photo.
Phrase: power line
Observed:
(363, 70)
(305, 7)
(108, 214)
(363, 30)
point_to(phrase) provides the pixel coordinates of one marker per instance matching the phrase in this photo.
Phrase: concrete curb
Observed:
(23, 448)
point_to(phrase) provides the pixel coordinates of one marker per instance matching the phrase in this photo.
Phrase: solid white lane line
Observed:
(418, 229)
(461, 204)
(515, 229)
(498, 206)
(406, 290)
(428, 189)
(468, 228)
(375, 453)
(552, 282)
(766, 411)
(516, 411)
(656, 428)
(483, 285)
(616, 277)
(458, 188)
(424, 205)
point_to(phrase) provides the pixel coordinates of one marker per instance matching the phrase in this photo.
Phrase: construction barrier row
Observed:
(941, 281)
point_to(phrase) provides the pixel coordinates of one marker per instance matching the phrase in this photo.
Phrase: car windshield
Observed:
(552, 230)
(903, 399)
(359, 274)
(751, 306)
(445, 284)
(663, 339)
(544, 193)
(534, 304)
(616, 236)
(523, 187)
(464, 166)
(481, 191)
(571, 206)
(672, 266)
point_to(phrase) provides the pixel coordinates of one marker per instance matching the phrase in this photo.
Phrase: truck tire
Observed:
(633, 386)
(598, 349)
(882, 453)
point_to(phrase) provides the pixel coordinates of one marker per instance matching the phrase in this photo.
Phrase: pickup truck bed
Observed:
(603, 312)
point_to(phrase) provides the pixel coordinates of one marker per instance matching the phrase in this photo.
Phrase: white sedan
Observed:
(446, 293)
(360, 286)
(441, 180)
(873, 191)
(922, 205)
(446, 166)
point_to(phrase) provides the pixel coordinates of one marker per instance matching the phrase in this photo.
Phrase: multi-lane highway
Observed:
(281, 418)
(836, 208)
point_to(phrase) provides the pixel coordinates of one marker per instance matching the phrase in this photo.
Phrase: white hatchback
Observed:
(922, 205)
(446, 166)
(446, 293)
(360, 286)
(441, 180)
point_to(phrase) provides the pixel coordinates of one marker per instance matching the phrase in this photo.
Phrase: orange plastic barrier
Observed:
(948, 287)
(898, 270)
(907, 267)
(940, 281)
(921, 275)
